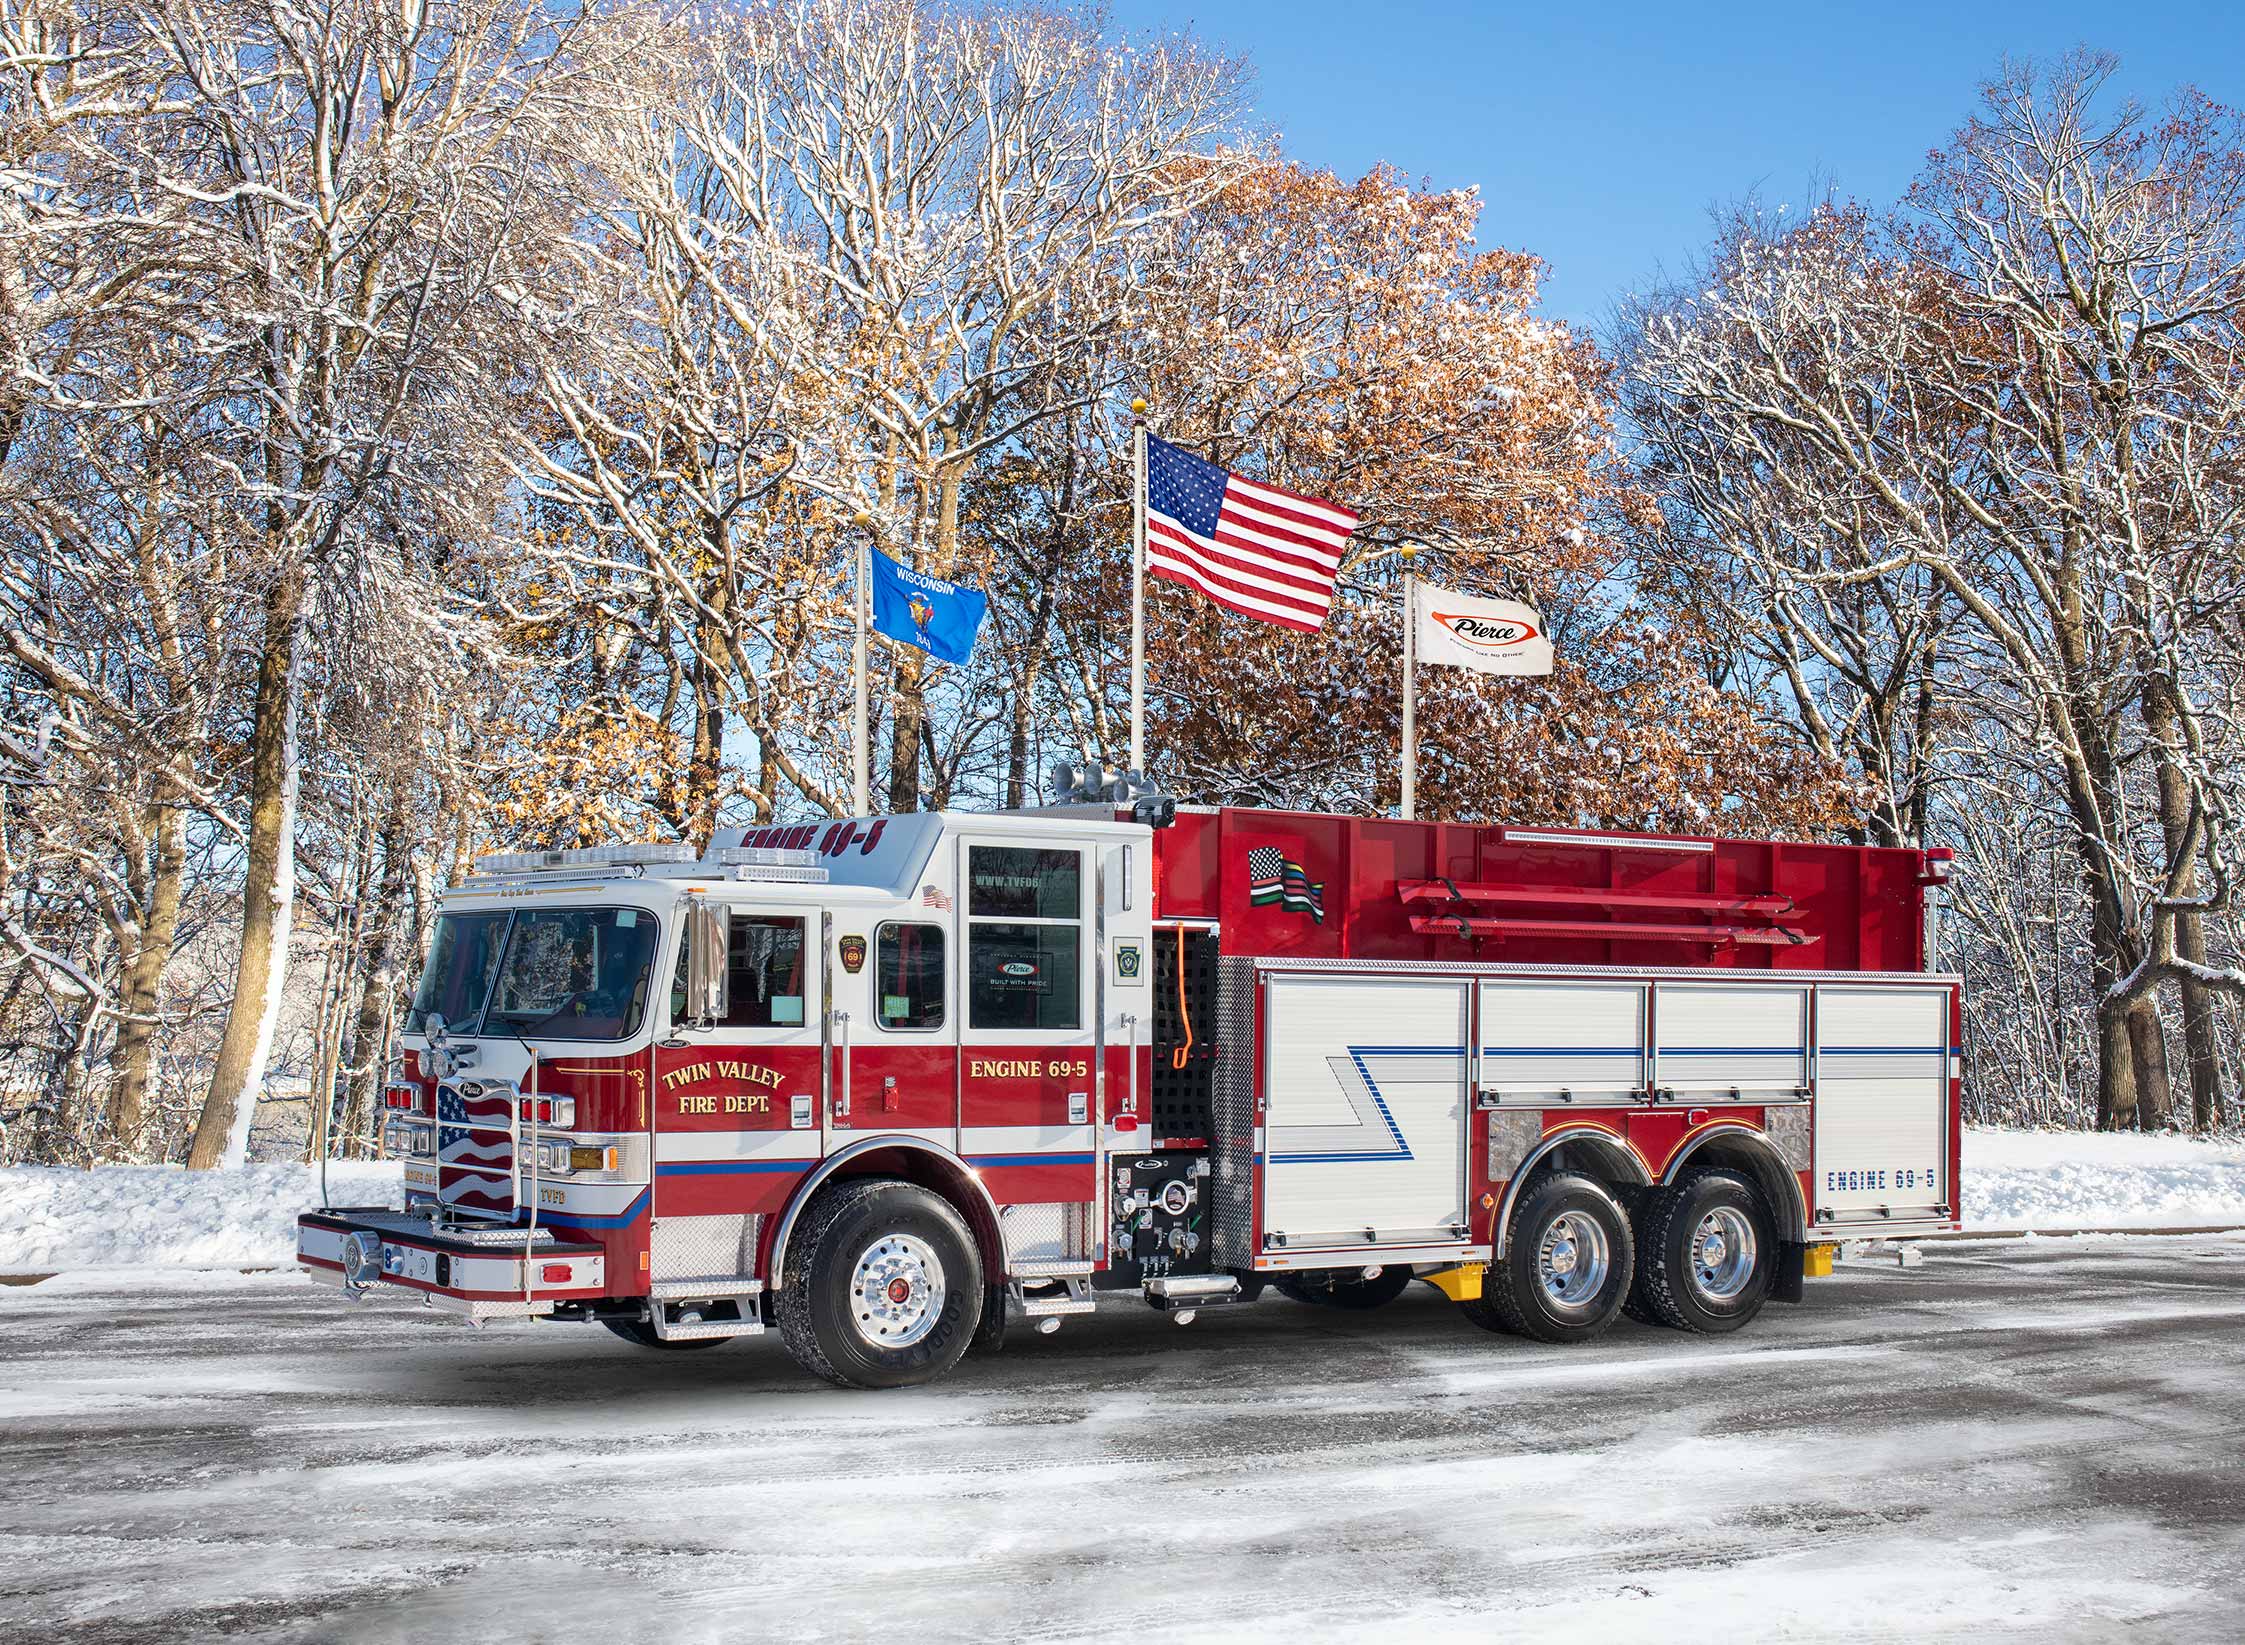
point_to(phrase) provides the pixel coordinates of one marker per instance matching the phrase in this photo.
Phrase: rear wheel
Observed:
(1347, 1287)
(643, 1333)
(1706, 1253)
(1567, 1264)
(884, 1286)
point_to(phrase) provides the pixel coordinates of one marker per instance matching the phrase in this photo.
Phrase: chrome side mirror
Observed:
(707, 981)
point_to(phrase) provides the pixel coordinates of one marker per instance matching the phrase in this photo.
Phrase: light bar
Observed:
(585, 856)
(798, 864)
(766, 856)
(1604, 842)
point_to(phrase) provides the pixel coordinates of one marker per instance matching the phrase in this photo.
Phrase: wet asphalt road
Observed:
(2013, 1441)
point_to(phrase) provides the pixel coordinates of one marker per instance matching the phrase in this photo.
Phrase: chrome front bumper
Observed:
(479, 1273)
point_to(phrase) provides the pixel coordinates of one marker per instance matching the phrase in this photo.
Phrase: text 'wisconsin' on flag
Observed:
(1250, 547)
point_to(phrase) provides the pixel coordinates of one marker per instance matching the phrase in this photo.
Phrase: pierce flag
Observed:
(1492, 636)
(939, 617)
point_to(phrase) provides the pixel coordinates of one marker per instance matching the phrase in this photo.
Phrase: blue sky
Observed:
(1600, 135)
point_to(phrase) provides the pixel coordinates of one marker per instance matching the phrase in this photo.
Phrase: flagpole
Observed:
(860, 779)
(1410, 684)
(1138, 585)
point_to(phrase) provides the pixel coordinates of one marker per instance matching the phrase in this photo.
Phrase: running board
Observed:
(1179, 1293)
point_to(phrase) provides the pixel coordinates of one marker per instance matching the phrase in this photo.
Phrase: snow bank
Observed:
(131, 1216)
(2088, 1179)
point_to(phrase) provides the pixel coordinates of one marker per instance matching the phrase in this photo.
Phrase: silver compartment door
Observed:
(1716, 1038)
(1882, 1103)
(1545, 1042)
(1365, 1103)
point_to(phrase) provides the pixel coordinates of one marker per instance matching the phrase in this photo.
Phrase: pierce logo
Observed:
(1487, 633)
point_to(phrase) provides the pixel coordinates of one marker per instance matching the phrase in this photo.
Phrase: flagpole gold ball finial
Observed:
(1138, 408)
(861, 520)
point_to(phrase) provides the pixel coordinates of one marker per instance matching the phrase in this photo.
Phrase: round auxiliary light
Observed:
(362, 1259)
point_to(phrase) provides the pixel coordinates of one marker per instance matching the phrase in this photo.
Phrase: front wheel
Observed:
(1567, 1265)
(1347, 1287)
(1707, 1253)
(884, 1286)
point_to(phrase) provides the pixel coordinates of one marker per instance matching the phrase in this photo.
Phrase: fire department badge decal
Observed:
(852, 949)
(1129, 962)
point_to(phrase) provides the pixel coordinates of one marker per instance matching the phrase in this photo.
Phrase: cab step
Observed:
(750, 1323)
(1073, 1296)
(714, 1287)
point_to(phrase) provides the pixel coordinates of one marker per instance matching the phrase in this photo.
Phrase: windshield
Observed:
(457, 978)
(574, 974)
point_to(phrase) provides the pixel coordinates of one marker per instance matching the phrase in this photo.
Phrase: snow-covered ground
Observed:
(141, 1216)
(2018, 1441)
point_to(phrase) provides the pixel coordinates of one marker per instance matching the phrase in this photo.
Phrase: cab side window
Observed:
(908, 975)
(1024, 937)
(764, 973)
(764, 967)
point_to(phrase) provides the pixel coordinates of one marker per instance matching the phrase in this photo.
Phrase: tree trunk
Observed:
(905, 710)
(2147, 1041)
(2201, 1042)
(268, 888)
(369, 1051)
(2116, 1077)
(135, 1052)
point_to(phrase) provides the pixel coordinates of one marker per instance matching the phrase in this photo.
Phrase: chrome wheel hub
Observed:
(1722, 1254)
(896, 1291)
(1572, 1261)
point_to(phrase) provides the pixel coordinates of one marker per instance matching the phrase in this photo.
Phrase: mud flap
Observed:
(990, 1330)
(1786, 1284)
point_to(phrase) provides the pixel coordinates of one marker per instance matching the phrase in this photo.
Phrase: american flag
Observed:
(1249, 547)
(475, 1150)
(1273, 876)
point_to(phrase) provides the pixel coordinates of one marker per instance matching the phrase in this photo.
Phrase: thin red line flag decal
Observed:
(1251, 548)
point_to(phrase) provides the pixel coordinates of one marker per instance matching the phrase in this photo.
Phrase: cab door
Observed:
(895, 1044)
(1027, 998)
(736, 1100)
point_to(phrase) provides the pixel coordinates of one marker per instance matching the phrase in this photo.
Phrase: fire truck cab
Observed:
(887, 1084)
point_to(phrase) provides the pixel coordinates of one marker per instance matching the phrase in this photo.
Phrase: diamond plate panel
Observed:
(1788, 1128)
(1513, 1135)
(1232, 1108)
(719, 1247)
(1046, 1231)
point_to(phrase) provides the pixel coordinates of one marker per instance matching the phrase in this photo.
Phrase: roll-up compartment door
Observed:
(1748, 1038)
(1882, 1103)
(1364, 1115)
(1542, 1041)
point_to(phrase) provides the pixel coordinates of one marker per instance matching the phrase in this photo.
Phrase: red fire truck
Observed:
(887, 1084)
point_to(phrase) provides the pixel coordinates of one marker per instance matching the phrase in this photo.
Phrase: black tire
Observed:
(1674, 1285)
(1346, 1287)
(643, 1333)
(845, 1335)
(1589, 1232)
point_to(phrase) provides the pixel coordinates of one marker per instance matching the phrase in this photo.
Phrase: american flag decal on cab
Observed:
(475, 1150)
(1273, 876)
